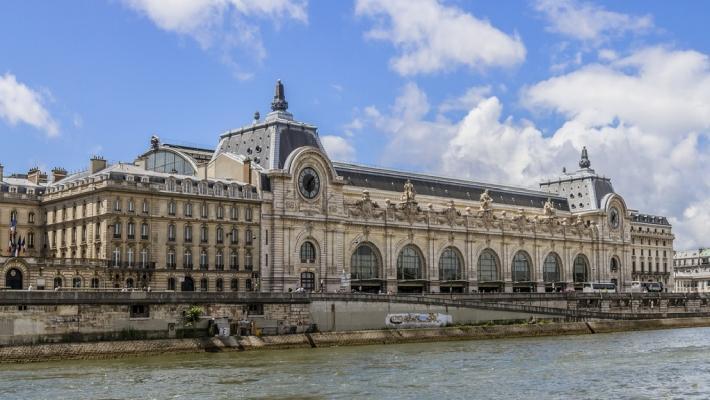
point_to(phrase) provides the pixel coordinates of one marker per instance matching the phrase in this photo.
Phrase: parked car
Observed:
(636, 287)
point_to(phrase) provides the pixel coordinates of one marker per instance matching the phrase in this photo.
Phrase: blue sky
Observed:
(506, 92)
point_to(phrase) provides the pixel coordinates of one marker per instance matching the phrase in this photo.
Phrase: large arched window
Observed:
(521, 267)
(57, 282)
(409, 263)
(488, 266)
(308, 252)
(219, 285)
(551, 268)
(580, 272)
(364, 263)
(76, 282)
(171, 283)
(450, 265)
(234, 284)
(168, 162)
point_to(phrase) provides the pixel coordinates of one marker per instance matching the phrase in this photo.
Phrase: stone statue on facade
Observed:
(409, 192)
(154, 142)
(365, 207)
(486, 201)
(549, 208)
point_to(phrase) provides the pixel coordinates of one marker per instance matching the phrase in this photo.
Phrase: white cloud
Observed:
(466, 101)
(645, 119)
(433, 37)
(661, 91)
(19, 103)
(224, 24)
(589, 22)
(338, 148)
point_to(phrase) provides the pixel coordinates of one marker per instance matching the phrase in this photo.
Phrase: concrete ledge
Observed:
(117, 349)
(649, 324)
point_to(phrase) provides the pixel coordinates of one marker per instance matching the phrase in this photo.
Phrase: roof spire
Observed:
(584, 162)
(279, 103)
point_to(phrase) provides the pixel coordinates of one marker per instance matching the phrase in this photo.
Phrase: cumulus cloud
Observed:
(645, 119)
(589, 22)
(224, 24)
(433, 37)
(21, 104)
(338, 148)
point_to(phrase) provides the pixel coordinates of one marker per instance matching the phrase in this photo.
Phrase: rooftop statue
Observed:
(409, 192)
(549, 208)
(486, 201)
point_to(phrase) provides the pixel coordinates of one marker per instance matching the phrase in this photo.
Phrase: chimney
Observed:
(33, 175)
(58, 174)
(247, 170)
(1, 172)
(97, 164)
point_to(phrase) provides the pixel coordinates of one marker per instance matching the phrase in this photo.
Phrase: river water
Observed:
(634, 365)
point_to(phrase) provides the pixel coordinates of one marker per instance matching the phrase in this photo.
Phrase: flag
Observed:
(13, 225)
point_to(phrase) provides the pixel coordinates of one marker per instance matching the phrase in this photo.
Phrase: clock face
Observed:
(614, 217)
(308, 183)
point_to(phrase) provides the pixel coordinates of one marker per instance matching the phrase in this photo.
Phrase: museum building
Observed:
(268, 210)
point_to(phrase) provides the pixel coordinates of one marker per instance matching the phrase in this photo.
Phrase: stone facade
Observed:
(268, 210)
(691, 271)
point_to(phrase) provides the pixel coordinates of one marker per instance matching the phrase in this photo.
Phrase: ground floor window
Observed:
(308, 281)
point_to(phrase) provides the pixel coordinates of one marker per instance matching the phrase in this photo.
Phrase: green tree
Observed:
(191, 317)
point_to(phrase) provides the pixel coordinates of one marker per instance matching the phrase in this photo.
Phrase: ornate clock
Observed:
(309, 183)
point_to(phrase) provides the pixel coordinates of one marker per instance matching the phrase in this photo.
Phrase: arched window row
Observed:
(365, 263)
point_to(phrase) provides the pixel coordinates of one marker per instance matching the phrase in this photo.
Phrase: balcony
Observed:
(170, 266)
(219, 267)
(234, 267)
(187, 266)
(204, 267)
(132, 265)
(116, 235)
(248, 268)
(131, 237)
(144, 237)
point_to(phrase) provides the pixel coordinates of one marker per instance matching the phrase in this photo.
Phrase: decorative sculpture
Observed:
(486, 201)
(549, 209)
(409, 192)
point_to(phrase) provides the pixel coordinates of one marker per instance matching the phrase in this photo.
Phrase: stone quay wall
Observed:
(116, 349)
(48, 317)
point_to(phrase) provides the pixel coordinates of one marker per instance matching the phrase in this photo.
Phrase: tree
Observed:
(191, 317)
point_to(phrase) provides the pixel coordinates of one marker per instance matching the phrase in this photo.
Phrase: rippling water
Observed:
(652, 364)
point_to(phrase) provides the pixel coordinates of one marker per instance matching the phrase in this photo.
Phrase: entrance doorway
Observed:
(188, 285)
(13, 279)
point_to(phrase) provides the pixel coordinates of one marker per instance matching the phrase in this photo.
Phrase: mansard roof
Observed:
(649, 219)
(431, 185)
